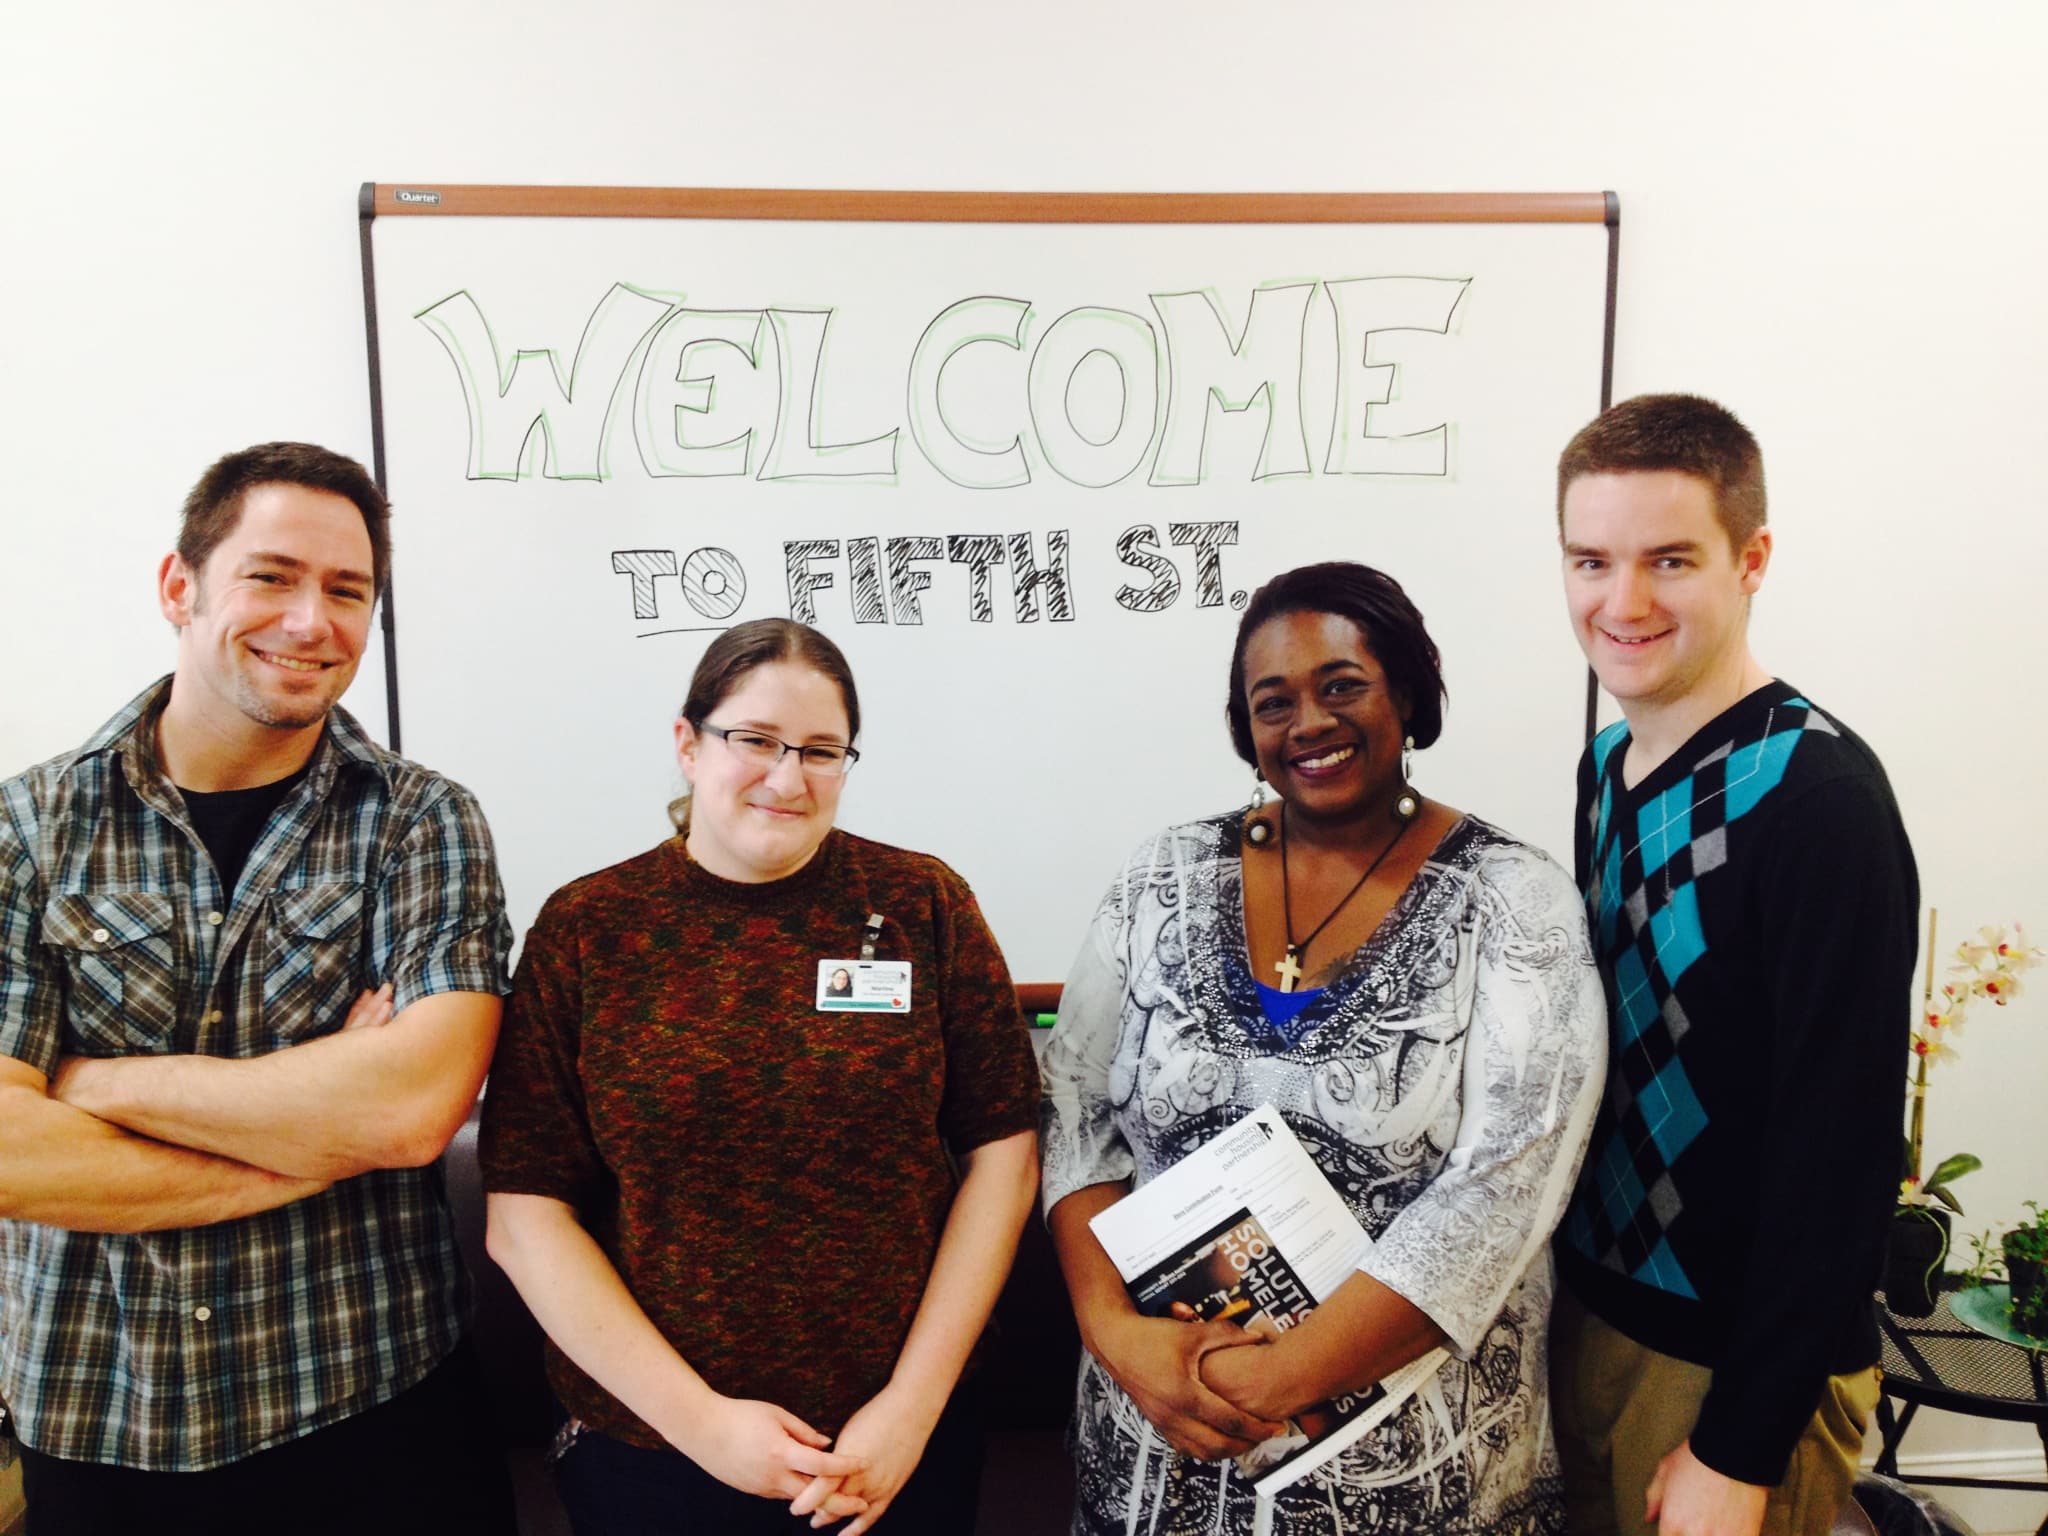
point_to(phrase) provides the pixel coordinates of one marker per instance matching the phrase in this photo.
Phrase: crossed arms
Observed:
(145, 1143)
(152, 1142)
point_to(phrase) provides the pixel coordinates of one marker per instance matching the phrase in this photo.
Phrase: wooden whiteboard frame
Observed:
(407, 199)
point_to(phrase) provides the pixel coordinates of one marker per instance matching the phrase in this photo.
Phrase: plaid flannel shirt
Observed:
(186, 1349)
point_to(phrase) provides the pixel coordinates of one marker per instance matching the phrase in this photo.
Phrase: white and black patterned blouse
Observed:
(1445, 1080)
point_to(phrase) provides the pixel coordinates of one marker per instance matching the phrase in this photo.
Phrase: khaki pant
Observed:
(1620, 1408)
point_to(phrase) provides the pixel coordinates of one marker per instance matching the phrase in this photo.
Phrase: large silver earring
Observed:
(1408, 803)
(1258, 830)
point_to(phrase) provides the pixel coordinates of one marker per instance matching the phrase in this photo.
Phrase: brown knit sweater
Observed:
(769, 1180)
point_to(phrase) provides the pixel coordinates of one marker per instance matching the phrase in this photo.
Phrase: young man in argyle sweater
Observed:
(1752, 898)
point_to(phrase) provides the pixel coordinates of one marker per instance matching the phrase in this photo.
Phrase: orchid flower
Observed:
(1987, 966)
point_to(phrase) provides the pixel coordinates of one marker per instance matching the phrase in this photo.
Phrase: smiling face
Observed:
(1326, 727)
(1658, 599)
(272, 626)
(750, 821)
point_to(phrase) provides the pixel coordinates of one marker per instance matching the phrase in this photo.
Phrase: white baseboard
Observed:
(2014, 1464)
(1989, 1511)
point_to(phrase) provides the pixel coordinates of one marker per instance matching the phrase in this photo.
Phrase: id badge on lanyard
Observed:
(866, 985)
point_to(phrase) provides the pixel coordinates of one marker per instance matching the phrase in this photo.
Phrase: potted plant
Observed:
(1989, 967)
(2026, 1268)
(1919, 1243)
(1986, 1266)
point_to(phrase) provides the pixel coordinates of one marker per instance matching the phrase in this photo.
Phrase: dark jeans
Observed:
(611, 1488)
(426, 1463)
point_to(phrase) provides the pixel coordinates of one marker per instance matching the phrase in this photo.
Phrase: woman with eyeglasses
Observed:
(1413, 990)
(721, 1179)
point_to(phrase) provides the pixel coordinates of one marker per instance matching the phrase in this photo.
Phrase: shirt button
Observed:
(214, 918)
(202, 1314)
(100, 935)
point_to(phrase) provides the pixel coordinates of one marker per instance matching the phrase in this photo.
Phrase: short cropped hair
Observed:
(1685, 433)
(1393, 631)
(214, 506)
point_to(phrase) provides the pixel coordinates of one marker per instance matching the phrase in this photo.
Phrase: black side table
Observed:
(1939, 1362)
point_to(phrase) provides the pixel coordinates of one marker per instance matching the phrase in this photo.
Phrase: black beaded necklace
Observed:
(1289, 964)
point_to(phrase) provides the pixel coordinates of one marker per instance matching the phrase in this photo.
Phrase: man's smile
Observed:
(293, 663)
(1625, 640)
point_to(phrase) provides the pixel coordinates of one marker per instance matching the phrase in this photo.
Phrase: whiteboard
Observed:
(1022, 458)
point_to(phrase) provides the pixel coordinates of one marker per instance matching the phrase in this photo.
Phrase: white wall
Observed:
(1833, 220)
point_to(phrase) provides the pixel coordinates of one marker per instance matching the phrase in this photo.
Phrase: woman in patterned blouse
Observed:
(1413, 990)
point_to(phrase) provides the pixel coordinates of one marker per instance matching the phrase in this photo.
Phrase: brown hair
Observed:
(214, 506)
(1393, 631)
(1684, 433)
(739, 651)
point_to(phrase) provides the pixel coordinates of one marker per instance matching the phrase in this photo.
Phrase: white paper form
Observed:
(1193, 1243)
(1257, 1165)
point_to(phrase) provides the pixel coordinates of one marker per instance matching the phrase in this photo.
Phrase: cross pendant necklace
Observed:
(1289, 964)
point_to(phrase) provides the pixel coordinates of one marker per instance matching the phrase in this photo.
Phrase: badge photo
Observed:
(864, 986)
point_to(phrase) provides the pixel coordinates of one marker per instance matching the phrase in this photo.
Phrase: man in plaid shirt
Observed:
(250, 977)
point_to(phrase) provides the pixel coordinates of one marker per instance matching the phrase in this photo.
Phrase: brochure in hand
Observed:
(1246, 1230)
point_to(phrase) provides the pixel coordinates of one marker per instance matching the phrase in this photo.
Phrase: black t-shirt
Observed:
(229, 821)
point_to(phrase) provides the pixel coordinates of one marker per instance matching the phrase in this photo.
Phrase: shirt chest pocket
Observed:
(119, 951)
(312, 963)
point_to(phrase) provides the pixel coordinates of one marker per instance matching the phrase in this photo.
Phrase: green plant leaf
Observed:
(1940, 1192)
(2030, 1242)
(1951, 1168)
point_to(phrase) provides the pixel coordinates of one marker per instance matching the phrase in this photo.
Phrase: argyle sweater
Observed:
(1753, 904)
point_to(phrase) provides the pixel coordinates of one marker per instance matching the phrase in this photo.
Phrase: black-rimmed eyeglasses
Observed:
(826, 760)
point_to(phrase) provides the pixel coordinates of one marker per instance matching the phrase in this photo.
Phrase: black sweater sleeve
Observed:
(1835, 899)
